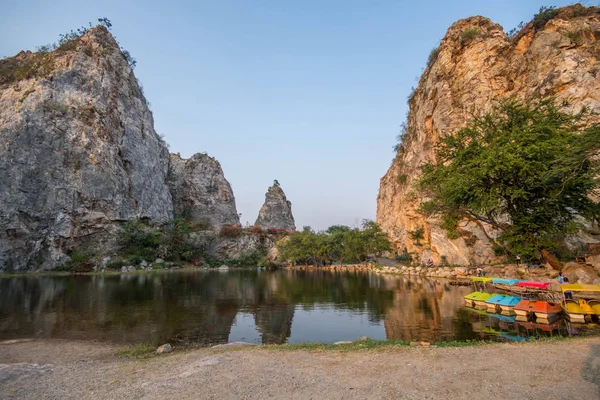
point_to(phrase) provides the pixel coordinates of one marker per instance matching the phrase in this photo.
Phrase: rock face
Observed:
(476, 63)
(200, 192)
(78, 152)
(276, 212)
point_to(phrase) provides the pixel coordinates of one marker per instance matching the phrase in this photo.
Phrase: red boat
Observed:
(544, 311)
(535, 285)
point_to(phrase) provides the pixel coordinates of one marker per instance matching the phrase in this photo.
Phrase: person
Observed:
(561, 279)
(568, 293)
(518, 259)
(479, 271)
(430, 263)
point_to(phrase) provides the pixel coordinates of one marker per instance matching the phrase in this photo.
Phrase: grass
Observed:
(140, 350)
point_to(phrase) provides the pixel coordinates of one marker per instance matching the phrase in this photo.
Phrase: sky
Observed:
(309, 92)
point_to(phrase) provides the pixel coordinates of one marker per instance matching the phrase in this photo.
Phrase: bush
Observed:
(256, 229)
(114, 264)
(417, 235)
(468, 35)
(404, 257)
(230, 231)
(79, 262)
(433, 55)
(543, 16)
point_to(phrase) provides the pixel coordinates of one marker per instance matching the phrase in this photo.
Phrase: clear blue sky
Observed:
(309, 92)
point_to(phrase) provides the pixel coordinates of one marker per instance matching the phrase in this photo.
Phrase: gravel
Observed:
(55, 369)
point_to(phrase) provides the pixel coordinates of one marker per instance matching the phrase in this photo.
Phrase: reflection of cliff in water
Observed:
(423, 309)
(198, 307)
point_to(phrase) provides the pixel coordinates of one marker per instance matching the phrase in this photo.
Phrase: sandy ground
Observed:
(53, 369)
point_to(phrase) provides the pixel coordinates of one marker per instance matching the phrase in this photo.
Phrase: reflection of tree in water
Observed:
(191, 306)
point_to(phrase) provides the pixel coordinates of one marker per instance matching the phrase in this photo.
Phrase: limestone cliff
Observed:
(276, 212)
(475, 64)
(201, 194)
(78, 152)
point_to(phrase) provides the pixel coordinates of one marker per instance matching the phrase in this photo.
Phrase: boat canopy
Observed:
(537, 285)
(576, 287)
(481, 279)
(502, 281)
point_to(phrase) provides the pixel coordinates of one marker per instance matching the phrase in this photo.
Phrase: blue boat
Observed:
(502, 281)
(506, 318)
(493, 303)
(508, 303)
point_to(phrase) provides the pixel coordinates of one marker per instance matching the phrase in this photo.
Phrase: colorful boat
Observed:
(493, 303)
(476, 299)
(541, 310)
(578, 309)
(507, 305)
(534, 285)
(502, 281)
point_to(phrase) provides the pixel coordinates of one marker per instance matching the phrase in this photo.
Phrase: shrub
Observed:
(256, 229)
(114, 264)
(402, 179)
(230, 231)
(468, 35)
(515, 31)
(405, 257)
(417, 235)
(543, 16)
(433, 55)
(79, 262)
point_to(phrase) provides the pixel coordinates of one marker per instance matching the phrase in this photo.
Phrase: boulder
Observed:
(165, 348)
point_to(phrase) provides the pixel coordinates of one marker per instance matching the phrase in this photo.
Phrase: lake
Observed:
(201, 307)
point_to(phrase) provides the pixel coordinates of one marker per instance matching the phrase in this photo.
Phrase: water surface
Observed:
(211, 307)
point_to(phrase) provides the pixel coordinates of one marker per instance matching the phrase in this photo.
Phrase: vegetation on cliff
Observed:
(338, 243)
(526, 170)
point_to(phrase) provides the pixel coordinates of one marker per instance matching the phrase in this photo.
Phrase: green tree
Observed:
(528, 170)
(417, 235)
(375, 239)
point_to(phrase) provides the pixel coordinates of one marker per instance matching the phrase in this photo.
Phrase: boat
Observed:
(493, 303)
(476, 299)
(504, 284)
(541, 310)
(507, 305)
(534, 285)
(578, 310)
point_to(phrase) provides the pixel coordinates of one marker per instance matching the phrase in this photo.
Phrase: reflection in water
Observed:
(201, 307)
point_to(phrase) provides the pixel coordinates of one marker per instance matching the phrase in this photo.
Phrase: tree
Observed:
(375, 239)
(417, 235)
(528, 170)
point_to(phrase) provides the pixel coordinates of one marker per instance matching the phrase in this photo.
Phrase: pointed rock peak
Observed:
(276, 212)
(200, 192)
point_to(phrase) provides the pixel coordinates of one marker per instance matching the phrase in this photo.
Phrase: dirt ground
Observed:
(54, 369)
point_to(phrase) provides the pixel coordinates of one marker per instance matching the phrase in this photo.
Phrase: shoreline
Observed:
(54, 368)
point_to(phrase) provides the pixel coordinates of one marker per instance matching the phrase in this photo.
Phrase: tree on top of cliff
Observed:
(529, 171)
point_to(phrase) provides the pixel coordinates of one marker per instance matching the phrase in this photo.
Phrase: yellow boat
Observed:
(577, 310)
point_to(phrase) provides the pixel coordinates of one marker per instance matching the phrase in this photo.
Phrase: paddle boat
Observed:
(534, 285)
(504, 284)
(578, 310)
(507, 305)
(543, 311)
(493, 303)
(476, 299)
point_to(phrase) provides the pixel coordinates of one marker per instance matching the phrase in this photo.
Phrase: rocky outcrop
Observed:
(276, 212)
(78, 152)
(200, 192)
(475, 64)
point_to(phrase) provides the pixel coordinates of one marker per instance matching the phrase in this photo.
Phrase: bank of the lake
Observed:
(75, 369)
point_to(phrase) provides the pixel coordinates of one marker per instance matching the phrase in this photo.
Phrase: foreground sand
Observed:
(54, 369)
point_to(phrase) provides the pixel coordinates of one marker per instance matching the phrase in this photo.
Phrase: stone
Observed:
(463, 81)
(159, 261)
(144, 264)
(78, 155)
(342, 342)
(104, 261)
(165, 348)
(200, 192)
(363, 338)
(276, 212)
